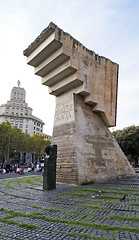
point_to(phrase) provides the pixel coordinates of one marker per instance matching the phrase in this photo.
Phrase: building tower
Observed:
(19, 114)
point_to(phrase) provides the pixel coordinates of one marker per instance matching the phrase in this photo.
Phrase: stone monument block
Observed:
(85, 86)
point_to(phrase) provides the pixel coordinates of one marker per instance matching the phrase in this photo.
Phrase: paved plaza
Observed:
(95, 211)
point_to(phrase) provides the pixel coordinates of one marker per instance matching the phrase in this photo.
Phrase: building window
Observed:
(17, 109)
(18, 94)
(20, 125)
(26, 131)
(16, 120)
(16, 114)
(26, 126)
(16, 124)
(14, 93)
(15, 98)
(21, 120)
(34, 123)
(6, 118)
(12, 124)
(18, 99)
(7, 109)
(26, 113)
(21, 99)
(12, 119)
(13, 109)
(27, 121)
(21, 94)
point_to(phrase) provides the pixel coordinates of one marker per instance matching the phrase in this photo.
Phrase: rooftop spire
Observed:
(18, 83)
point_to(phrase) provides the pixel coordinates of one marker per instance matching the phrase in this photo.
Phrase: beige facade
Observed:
(19, 114)
(85, 86)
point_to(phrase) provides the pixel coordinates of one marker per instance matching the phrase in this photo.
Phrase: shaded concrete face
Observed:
(85, 86)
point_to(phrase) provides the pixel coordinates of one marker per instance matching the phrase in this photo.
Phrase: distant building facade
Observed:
(17, 112)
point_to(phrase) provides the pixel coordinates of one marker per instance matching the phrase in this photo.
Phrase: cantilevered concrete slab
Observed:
(85, 86)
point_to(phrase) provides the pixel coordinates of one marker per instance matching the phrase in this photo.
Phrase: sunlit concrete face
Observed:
(85, 86)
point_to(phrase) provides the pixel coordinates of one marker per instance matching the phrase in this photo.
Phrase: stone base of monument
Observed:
(87, 150)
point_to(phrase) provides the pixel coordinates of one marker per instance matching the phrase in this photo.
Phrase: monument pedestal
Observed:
(87, 150)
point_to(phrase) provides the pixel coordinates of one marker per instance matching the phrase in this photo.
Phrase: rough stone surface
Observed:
(88, 148)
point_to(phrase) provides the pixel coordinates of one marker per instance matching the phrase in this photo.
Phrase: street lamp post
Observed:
(14, 154)
(8, 148)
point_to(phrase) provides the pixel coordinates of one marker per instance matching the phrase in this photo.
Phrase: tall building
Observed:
(17, 112)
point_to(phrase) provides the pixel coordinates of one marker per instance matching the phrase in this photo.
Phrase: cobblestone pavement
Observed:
(94, 211)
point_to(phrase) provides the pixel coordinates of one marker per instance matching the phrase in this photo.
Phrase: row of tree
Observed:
(128, 139)
(13, 138)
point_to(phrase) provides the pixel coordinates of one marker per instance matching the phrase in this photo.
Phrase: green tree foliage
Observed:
(5, 129)
(38, 143)
(23, 142)
(128, 139)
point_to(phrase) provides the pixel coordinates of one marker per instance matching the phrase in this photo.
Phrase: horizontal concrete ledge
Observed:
(65, 87)
(82, 91)
(52, 62)
(41, 38)
(38, 57)
(58, 74)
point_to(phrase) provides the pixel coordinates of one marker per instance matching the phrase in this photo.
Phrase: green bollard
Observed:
(49, 176)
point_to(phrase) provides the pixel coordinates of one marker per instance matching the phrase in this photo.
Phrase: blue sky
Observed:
(108, 27)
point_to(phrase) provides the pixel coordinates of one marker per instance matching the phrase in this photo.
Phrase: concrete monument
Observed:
(85, 86)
